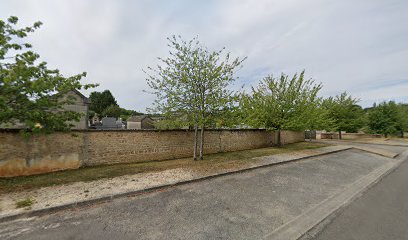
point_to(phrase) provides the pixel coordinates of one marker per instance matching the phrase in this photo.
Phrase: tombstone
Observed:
(110, 123)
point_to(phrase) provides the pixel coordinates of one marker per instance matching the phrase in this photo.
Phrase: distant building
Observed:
(79, 104)
(140, 122)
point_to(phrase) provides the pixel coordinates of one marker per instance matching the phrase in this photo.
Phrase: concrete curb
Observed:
(41, 212)
(372, 151)
(350, 141)
(311, 222)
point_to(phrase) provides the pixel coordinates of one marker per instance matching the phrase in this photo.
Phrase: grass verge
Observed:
(211, 163)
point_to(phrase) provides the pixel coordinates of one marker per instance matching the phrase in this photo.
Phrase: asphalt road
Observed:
(248, 205)
(381, 212)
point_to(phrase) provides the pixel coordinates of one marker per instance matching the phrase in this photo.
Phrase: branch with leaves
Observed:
(30, 93)
(283, 104)
(191, 87)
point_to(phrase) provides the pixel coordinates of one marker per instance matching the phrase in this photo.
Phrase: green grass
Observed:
(26, 203)
(211, 163)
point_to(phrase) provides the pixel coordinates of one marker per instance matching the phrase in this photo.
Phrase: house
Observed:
(79, 104)
(140, 122)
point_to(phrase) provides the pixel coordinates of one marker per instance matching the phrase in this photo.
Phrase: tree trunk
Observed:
(195, 141)
(202, 143)
(279, 138)
(340, 134)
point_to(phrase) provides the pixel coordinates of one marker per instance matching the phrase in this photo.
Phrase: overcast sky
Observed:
(358, 46)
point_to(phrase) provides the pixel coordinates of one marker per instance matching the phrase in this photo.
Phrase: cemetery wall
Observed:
(348, 136)
(58, 151)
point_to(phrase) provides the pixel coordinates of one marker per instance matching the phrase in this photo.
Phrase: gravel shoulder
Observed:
(62, 195)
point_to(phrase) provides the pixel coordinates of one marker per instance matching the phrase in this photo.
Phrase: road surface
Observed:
(248, 205)
(381, 213)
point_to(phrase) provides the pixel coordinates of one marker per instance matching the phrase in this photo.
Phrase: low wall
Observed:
(46, 153)
(349, 136)
(39, 154)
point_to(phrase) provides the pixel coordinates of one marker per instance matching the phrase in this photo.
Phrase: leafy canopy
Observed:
(191, 85)
(30, 93)
(403, 117)
(346, 115)
(100, 101)
(283, 103)
(116, 111)
(386, 118)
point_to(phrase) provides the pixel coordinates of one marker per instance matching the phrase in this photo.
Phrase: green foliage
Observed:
(100, 101)
(116, 111)
(30, 93)
(104, 104)
(403, 118)
(387, 118)
(346, 115)
(125, 114)
(112, 111)
(91, 114)
(283, 104)
(25, 203)
(191, 85)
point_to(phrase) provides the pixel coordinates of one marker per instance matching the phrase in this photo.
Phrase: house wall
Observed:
(46, 153)
(134, 125)
(79, 106)
(147, 123)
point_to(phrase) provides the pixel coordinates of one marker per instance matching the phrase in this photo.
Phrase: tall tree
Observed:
(282, 104)
(403, 118)
(101, 100)
(346, 115)
(384, 118)
(29, 91)
(191, 86)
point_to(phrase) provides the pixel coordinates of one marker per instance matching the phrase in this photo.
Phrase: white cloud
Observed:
(347, 45)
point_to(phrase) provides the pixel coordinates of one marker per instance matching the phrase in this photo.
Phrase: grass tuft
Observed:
(26, 203)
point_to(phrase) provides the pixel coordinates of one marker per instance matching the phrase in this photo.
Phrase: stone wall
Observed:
(348, 136)
(46, 153)
(38, 154)
(140, 146)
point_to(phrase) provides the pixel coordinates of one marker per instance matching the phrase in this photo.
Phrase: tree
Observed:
(191, 86)
(384, 118)
(346, 115)
(30, 93)
(113, 111)
(320, 118)
(403, 118)
(118, 112)
(282, 104)
(101, 100)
